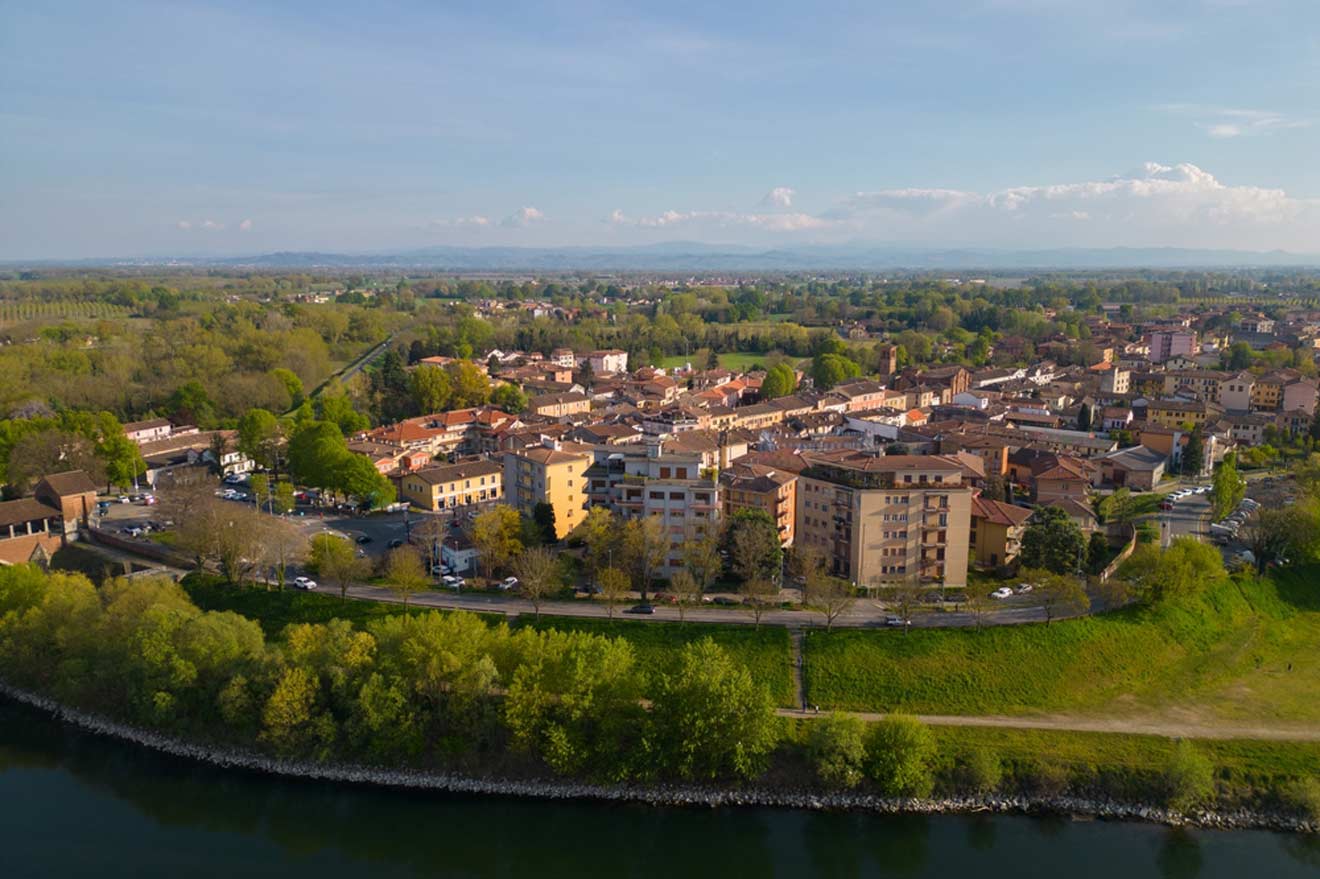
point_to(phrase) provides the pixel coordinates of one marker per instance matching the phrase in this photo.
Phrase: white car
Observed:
(1002, 592)
(304, 583)
(452, 581)
(508, 583)
(1025, 588)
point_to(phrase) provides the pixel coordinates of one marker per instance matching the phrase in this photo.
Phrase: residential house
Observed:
(453, 485)
(996, 532)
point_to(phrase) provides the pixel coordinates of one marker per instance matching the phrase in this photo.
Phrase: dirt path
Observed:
(1133, 726)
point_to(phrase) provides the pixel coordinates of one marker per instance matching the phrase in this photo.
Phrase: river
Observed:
(74, 804)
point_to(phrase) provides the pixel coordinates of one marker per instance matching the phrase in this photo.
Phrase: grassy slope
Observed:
(1224, 656)
(764, 651)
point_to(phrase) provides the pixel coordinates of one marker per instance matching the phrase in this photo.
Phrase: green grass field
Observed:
(737, 361)
(1243, 652)
(277, 609)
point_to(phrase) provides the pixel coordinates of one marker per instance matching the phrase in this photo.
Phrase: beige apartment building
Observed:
(554, 474)
(759, 487)
(886, 520)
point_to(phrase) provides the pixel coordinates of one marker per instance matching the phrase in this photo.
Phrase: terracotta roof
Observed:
(464, 470)
(999, 512)
(24, 510)
(70, 482)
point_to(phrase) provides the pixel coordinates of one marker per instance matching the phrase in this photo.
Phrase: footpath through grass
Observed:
(766, 652)
(1242, 651)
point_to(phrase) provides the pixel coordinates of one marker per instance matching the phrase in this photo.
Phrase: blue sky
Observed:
(137, 128)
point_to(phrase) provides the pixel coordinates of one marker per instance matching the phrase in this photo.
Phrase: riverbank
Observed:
(658, 795)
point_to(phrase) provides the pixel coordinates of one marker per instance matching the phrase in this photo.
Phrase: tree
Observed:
(836, 746)
(261, 491)
(614, 586)
(1189, 779)
(686, 590)
(1097, 553)
(779, 381)
(1193, 455)
(760, 593)
(1057, 593)
(1084, 415)
(333, 558)
(977, 597)
(645, 547)
(827, 370)
(496, 536)
(701, 556)
(752, 543)
(405, 574)
(1227, 488)
(1052, 541)
(471, 387)
(51, 451)
(283, 544)
(905, 598)
(190, 404)
(260, 437)
(832, 595)
(543, 516)
(711, 719)
(993, 488)
(509, 397)
(599, 532)
(899, 752)
(537, 570)
(431, 388)
(283, 499)
(1239, 357)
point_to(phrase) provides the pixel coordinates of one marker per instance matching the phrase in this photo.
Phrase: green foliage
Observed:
(780, 381)
(1185, 568)
(828, 369)
(509, 397)
(900, 750)
(980, 771)
(1053, 541)
(1188, 777)
(836, 746)
(1227, 488)
(711, 719)
(751, 540)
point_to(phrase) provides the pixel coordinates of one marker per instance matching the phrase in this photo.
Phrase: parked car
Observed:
(149, 500)
(395, 543)
(452, 581)
(725, 600)
(304, 583)
(1002, 592)
(897, 622)
(508, 583)
(364, 538)
(641, 609)
(1025, 588)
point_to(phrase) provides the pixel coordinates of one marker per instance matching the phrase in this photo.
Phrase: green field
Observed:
(740, 361)
(1244, 652)
(766, 651)
(275, 609)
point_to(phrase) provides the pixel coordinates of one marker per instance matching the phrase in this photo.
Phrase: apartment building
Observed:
(650, 482)
(453, 485)
(608, 361)
(1171, 343)
(559, 405)
(759, 487)
(886, 520)
(554, 474)
(996, 532)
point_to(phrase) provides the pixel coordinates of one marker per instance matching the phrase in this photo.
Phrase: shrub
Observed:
(1303, 795)
(836, 746)
(1189, 779)
(899, 756)
(979, 771)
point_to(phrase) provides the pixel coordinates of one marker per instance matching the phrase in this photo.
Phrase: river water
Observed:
(75, 805)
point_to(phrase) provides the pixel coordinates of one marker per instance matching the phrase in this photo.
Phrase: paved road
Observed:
(1134, 725)
(1187, 518)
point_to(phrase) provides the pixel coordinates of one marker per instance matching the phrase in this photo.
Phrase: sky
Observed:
(193, 128)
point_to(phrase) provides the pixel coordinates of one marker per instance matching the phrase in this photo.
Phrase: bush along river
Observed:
(80, 804)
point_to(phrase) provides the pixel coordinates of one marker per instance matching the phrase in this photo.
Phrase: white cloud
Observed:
(785, 222)
(1154, 205)
(212, 225)
(522, 217)
(476, 221)
(245, 226)
(184, 224)
(779, 197)
(1228, 122)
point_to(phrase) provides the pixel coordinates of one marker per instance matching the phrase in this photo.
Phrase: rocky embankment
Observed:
(657, 795)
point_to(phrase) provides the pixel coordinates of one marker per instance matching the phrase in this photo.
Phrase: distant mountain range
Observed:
(682, 256)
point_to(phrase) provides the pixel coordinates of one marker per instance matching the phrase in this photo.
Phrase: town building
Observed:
(886, 520)
(554, 474)
(759, 487)
(453, 485)
(996, 532)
